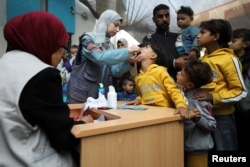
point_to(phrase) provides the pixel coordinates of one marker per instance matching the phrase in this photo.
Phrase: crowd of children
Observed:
(205, 90)
(209, 92)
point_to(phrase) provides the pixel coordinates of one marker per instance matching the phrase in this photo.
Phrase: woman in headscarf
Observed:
(118, 79)
(122, 43)
(98, 59)
(35, 127)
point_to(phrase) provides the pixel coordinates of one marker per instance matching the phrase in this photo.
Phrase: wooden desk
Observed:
(150, 138)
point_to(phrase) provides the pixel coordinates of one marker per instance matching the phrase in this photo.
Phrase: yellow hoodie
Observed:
(156, 87)
(227, 86)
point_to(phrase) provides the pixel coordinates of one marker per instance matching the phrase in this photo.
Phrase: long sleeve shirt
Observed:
(197, 135)
(156, 87)
(228, 85)
(41, 104)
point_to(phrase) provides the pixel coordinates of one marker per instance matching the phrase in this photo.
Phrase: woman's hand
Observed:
(87, 119)
(134, 54)
(133, 50)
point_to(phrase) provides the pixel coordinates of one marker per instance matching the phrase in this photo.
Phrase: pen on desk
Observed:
(104, 108)
(82, 113)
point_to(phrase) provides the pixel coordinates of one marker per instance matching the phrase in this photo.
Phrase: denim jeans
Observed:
(225, 135)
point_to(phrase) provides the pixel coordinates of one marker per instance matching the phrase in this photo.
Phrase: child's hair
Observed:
(245, 35)
(160, 7)
(242, 33)
(220, 26)
(126, 80)
(161, 54)
(74, 46)
(186, 10)
(199, 73)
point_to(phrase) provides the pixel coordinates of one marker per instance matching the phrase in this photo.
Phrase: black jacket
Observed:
(167, 41)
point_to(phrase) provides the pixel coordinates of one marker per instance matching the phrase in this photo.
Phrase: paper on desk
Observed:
(124, 106)
(100, 119)
(94, 103)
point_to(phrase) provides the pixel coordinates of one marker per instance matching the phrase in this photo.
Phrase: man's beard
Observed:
(163, 26)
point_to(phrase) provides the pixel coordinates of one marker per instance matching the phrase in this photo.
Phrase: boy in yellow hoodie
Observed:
(227, 86)
(154, 85)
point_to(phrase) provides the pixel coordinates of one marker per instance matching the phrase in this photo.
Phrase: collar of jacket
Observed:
(162, 31)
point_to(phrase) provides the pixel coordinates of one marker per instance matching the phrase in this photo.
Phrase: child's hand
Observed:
(87, 119)
(203, 94)
(134, 102)
(181, 61)
(183, 112)
(196, 114)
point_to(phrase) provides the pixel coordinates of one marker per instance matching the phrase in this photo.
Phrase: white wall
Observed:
(82, 25)
(2, 22)
(3, 43)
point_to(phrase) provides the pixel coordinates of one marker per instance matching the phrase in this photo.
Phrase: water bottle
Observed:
(64, 90)
(112, 97)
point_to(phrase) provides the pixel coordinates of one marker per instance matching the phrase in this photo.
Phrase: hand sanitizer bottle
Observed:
(64, 90)
(112, 97)
(101, 90)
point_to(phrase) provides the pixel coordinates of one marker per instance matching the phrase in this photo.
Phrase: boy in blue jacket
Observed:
(186, 43)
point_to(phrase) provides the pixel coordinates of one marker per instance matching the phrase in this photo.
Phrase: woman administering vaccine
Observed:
(100, 59)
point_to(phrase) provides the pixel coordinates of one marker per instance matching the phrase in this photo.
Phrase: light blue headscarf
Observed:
(99, 33)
